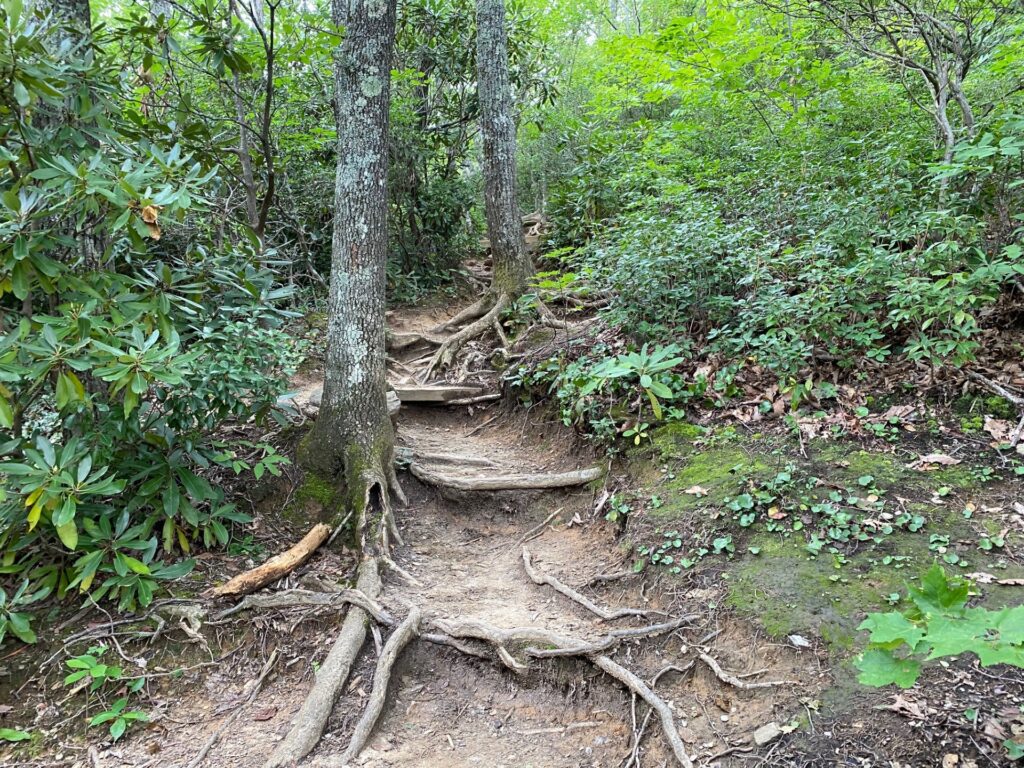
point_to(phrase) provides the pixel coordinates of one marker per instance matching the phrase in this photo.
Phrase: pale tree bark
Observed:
(512, 267)
(353, 436)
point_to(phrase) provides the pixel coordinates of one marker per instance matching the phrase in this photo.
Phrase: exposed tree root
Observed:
(654, 701)
(254, 688)
(511, 482)
(401, 637)
(610, 640)
(297, 598)
(308, 725)
(450, 347)
(733, 680)
(540, 579)
(438, 457)
(275, 567)
(477, 309)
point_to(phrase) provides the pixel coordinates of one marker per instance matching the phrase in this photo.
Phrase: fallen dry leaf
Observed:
(697, 490)
(264, 714)
(932, 461)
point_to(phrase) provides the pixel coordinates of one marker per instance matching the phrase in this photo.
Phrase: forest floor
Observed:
(759, 605)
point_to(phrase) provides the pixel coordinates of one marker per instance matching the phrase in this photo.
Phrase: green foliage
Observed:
(751, 188)
(88, 671)
(129, 337)
(938, 624)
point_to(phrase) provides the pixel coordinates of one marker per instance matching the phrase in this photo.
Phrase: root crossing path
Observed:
(511, 632)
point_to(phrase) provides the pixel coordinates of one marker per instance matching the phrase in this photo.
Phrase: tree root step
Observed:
(510, 482)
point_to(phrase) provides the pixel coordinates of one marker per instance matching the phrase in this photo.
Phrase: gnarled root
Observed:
(447, 351)
(308, 725)
(401, 637)
(605, 614)
(472, 312)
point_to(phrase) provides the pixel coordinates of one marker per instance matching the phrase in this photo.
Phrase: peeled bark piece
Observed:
(308, 725)
(510, 482)
(277, 566)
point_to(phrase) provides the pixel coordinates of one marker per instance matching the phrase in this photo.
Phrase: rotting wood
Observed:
(510, 482)
(998, 388)
(401, 637)
(308, 725)
(605, 614)
(276, 567)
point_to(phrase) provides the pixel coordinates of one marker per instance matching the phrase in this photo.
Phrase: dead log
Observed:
(308, 725)
(277, 566)
(510, 482)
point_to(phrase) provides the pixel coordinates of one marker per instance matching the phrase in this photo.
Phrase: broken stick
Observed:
(277, 566)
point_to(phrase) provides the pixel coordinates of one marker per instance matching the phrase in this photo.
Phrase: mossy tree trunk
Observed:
(512, 266)
(353, 438)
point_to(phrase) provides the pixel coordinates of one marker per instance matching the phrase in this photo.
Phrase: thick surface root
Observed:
(308, 725)
(472, 312)
(510, 482)
(451, 346)
(406, 632)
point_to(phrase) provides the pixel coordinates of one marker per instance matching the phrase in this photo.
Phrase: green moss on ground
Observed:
(784, 587)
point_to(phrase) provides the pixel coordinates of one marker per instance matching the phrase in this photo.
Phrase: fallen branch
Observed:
(401, 637)
(537, 528)
(999, 389)
(512, 482)
(540, 579)
(255, 687)
(454, 459)
(277, 566)
(308, 725)
(733, 680)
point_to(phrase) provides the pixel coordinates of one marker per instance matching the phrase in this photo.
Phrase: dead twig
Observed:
(255, 687)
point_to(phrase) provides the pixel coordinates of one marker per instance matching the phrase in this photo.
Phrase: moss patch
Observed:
(314, 500)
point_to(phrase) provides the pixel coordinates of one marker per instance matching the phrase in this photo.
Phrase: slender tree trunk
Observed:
(353, 433)
(512, 267)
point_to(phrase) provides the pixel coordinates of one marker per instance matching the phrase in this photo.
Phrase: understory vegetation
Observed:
(775, 281)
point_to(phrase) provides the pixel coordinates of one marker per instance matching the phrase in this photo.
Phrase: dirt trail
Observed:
(447, 709)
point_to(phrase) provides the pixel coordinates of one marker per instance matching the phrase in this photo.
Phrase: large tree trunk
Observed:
(512, 267)
(352, 432)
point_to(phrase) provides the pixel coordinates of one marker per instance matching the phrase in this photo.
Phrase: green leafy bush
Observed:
(124, 346)
(938, 624)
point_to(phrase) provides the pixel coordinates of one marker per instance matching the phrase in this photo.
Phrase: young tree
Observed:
(353, 435)
(512, 267)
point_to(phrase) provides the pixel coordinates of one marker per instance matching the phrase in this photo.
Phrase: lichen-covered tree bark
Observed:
(353, 436)
(512, 267)
(74, 11)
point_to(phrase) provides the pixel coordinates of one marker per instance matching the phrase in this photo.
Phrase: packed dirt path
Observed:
(465, 552)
